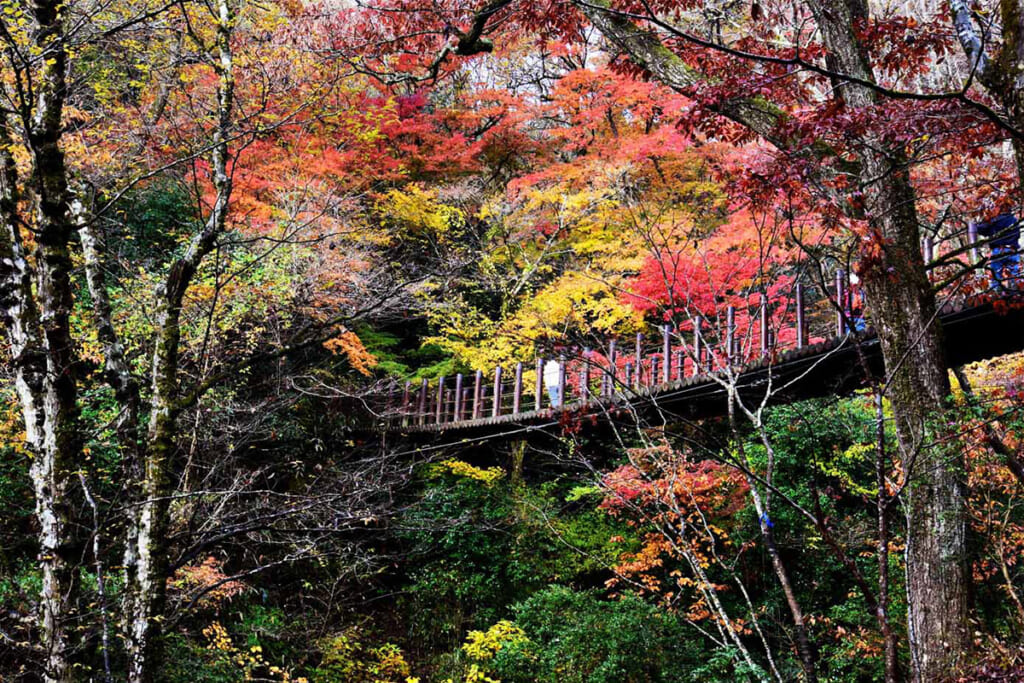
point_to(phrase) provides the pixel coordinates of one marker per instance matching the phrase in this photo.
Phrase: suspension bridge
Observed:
(771, 352)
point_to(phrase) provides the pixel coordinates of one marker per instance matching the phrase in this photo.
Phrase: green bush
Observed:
(578, 637)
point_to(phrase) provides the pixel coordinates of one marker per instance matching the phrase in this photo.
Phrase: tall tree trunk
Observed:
(882, 502)
(39, 325)
(903, 307)
(21, 318)
(146, 559)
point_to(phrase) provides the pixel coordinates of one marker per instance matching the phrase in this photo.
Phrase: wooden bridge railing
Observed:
(691, 348)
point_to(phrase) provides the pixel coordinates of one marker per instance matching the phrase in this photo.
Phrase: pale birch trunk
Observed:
(805, 650)
(38, 323)
(146, 559)
(21, 319)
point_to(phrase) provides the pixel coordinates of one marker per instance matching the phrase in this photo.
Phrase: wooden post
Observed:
(538, 389)
(612, 369)
(406, 406)
(929, 250)
(972, 240)
(628, 374)
(840, 303)
(478, 391)
(517, 391)
(801, 323)
(730, 323)
(698, 346)
(439, 415)
(666, 353)
(422, 408)
(680, 365)
(496, 408)
(585, 377)
(654, 371)
(764, 324)
(638, 360)
(561, 382)
(457, 412)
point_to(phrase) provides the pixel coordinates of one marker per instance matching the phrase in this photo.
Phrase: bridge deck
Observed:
(833, 367)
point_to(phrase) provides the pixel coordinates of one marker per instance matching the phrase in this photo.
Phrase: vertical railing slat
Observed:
(638, 360)
(538, 399)
(730, 329)
(406, 406)
(666, 353)
(478, 389)
(422, 408)
(561, 382)
(457, 411)
(612, 369)
(585, 377)
(439, 415)
(840, 301)
(764, 324)
(517, 391)
(801, 322)
(496, 408)
(698, 346)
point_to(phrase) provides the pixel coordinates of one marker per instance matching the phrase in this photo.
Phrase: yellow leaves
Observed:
(251, 662)
(476, 675)
(420, 212)
(218, 637)
(574, 301)
(845, 464)
(459, 468)
(346, 658)
(482, 646)
(582, 301)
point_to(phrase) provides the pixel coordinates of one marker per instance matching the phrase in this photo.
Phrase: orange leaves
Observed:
(207, 582)
(686, 508)
(348, 344)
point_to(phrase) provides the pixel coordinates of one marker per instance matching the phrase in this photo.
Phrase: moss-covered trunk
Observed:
(904, 312)
(39, 325)
(902, 306)
(146, 560)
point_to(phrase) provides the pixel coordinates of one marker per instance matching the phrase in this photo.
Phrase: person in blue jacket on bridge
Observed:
(1003, 236)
